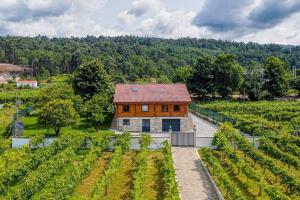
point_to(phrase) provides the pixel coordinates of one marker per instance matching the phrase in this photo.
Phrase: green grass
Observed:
(32, 128)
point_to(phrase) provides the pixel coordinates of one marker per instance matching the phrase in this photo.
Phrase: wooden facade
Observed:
(154, 110)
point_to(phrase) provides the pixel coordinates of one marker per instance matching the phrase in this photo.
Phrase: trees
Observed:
(228, 74)
(253, 81)
(91, 78)
(182, 74)
(276, 76)
(202, 80)
(223, 75)
(98, 110)
(57, 114)
(62, 91)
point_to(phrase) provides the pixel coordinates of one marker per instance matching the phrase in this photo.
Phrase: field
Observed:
(242, 171)
(78, 166)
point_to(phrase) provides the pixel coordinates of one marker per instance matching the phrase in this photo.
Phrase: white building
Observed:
(28, 83)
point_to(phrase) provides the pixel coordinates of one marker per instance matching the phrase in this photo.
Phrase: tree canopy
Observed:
(57, 114)
(91, 78)
(276, 76)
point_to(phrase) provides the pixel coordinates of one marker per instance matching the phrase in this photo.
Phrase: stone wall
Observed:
(186, 124)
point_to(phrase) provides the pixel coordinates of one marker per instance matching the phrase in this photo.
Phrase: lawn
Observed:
(32, 128)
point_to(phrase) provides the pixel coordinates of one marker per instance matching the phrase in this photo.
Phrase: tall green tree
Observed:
(276, 75)
(57, 114)
(202, 81)
(63, 91)
(227, 74)
(90, 79)
(98, 110)
(182, 74)
(253, 81)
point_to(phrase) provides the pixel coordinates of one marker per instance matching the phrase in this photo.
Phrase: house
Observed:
(154, 108)
(27, 83)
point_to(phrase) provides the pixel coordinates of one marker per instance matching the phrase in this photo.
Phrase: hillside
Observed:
(129, 57)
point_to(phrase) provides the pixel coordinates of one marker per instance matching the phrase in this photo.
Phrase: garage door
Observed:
(173, 123)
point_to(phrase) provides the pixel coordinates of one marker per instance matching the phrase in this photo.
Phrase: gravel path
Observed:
(204, 128)
(193, 182)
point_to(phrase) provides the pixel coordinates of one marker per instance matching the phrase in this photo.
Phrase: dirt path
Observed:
(193, 182)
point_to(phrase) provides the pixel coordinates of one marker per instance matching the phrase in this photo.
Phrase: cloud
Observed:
(239, 18)
(271, 12)
(20, 10)
(141, 7)
(220, 15)
(151, 18)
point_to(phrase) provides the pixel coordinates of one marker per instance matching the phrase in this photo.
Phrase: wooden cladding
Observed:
(154, 110)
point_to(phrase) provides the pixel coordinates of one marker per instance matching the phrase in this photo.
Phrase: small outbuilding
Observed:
(27, 83)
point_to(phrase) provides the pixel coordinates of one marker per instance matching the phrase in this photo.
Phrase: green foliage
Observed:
(60, 90)
(225, 139)
(287, 178)
(130, 56)
(63, 186)
(121, 147)
(163, 79)
(91, 78)
(57, 114)
(123, 141)
(98, 110)
(255, 118)
(217, 170)
(253, 81)
(202, 80)
(276, 76)
(5, 144)
(228, 74)
(223, 75)
(168, 173)
(35, 180)
(182, 74)
(140, 169)
(37, 140)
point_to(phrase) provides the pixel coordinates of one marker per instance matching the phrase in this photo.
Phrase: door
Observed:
(146, 125)
(173, 123)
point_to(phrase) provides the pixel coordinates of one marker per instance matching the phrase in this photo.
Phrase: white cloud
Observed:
(242, 21)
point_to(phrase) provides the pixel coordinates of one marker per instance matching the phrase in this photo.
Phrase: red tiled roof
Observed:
(26, 81)
(147, 93)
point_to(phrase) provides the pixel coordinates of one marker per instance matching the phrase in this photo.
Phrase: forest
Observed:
(131, 58)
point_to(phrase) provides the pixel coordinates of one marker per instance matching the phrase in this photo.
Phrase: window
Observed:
(126, 122)
(176, 108)
(164, 108)
(145, 108)
(126, 108)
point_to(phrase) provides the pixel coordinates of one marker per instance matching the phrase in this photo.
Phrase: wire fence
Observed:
(217, 117)
(18, 126)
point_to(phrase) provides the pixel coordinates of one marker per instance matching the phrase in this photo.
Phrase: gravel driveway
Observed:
(193, 182)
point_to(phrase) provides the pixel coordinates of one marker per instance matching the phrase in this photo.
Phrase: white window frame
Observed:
(145, 108)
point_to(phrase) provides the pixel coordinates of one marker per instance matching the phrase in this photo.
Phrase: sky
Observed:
(261, 21)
